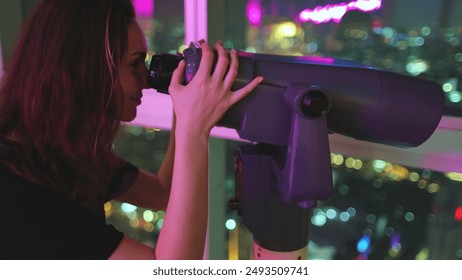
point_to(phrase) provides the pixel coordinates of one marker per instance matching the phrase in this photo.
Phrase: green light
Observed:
(134, 130)
(160, 223)
(344, 216)
(343, 189)
(230, 224)
(426, 31)
(455, 97)
(148, 216)
(409, 216)
(319, 219)
(379, 165)
(447, 87)
(331, 214)
(458, 57)
(250, 50)
(228, 44)
(419, 41)
(128, 208)
(417, 67)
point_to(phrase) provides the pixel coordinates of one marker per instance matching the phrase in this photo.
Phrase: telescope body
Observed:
(303, 99)
(365, 103)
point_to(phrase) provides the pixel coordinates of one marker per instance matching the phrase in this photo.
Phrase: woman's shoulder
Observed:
(18, 192)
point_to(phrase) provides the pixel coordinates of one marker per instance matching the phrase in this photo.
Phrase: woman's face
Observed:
(133, 72)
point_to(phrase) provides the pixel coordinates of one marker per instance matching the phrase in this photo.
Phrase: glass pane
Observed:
(162, 23)
(379, 209)
(378, 33)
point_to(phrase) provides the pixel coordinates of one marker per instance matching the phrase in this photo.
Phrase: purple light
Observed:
(395, 240)
(254, 12)
(316, 59)
(336, 12)
(144, 8)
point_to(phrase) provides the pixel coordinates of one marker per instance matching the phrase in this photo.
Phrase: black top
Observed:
(39, 223)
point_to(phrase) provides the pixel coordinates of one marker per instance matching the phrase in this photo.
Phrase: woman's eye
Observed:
(134, 64)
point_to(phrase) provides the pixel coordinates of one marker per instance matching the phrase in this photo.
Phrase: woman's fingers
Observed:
(177, 76)
(244, 91)
(233, 69)
(225, 74)
(206, 60)
(222, 62)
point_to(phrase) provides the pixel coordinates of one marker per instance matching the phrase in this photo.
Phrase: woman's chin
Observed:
(129, 115)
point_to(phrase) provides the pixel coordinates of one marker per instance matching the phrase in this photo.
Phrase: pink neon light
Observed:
(316, 59)
(254, 12)
(336, 12)
(144, 8)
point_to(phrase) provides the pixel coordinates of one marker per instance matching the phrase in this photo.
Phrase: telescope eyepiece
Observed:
(161, 71)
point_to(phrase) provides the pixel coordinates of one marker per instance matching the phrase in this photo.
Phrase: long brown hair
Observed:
(59, 99)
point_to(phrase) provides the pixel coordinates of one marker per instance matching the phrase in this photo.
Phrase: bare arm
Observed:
(165, 171)
(184, 228)
(150, 190)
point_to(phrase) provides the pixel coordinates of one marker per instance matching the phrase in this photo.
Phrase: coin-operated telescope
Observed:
(288, 117)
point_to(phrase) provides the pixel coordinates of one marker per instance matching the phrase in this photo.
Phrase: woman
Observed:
(77, 72)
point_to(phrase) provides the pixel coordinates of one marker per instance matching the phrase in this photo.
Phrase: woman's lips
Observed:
(136, 99)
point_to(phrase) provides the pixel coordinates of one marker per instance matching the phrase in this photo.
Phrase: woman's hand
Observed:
(201, 103)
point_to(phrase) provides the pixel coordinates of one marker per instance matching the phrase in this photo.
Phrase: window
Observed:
(394, 204)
